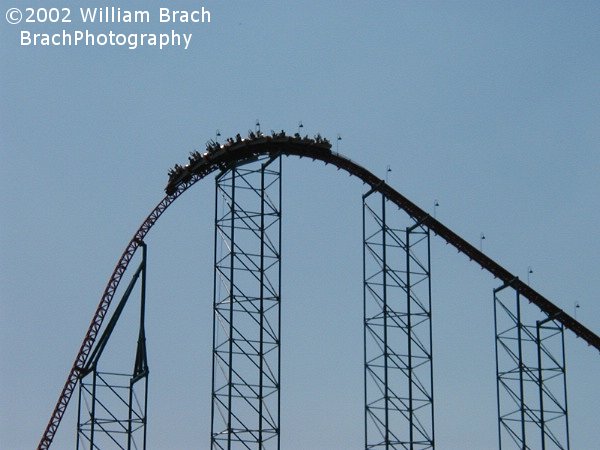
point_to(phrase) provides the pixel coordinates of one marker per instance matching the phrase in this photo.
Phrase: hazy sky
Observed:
(492, 108)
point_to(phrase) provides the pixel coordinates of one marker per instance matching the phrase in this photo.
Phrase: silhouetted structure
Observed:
(397, 298)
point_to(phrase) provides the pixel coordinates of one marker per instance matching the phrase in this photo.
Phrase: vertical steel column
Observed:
(398, 373)
(246, 316)
(138, 412)
(111, 414)
(552, 379)
(420, 345)
(530, 378)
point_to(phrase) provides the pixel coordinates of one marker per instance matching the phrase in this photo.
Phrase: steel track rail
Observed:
(249, 150)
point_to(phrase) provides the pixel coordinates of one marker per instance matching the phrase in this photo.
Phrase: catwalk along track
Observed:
(240, 151)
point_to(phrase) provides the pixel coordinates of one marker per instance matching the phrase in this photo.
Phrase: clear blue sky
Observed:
(493, 108)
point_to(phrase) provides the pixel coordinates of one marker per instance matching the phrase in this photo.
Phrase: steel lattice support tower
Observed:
(113, 406)
(246, 321)
(397, 330)
(531, 376)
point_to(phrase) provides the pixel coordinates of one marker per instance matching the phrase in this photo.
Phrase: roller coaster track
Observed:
(246, 151)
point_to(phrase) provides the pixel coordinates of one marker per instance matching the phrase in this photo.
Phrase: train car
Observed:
(219, 154)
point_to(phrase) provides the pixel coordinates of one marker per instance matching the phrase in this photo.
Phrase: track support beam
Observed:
(398, 373)
(113, 407)
(246, 315)
(530, 376)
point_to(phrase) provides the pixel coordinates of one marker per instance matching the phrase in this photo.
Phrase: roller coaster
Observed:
(227, 160)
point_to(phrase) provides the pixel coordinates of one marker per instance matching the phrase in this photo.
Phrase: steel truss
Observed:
(397, 331)
(246, 317)
(113, 406)
(531, 376)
